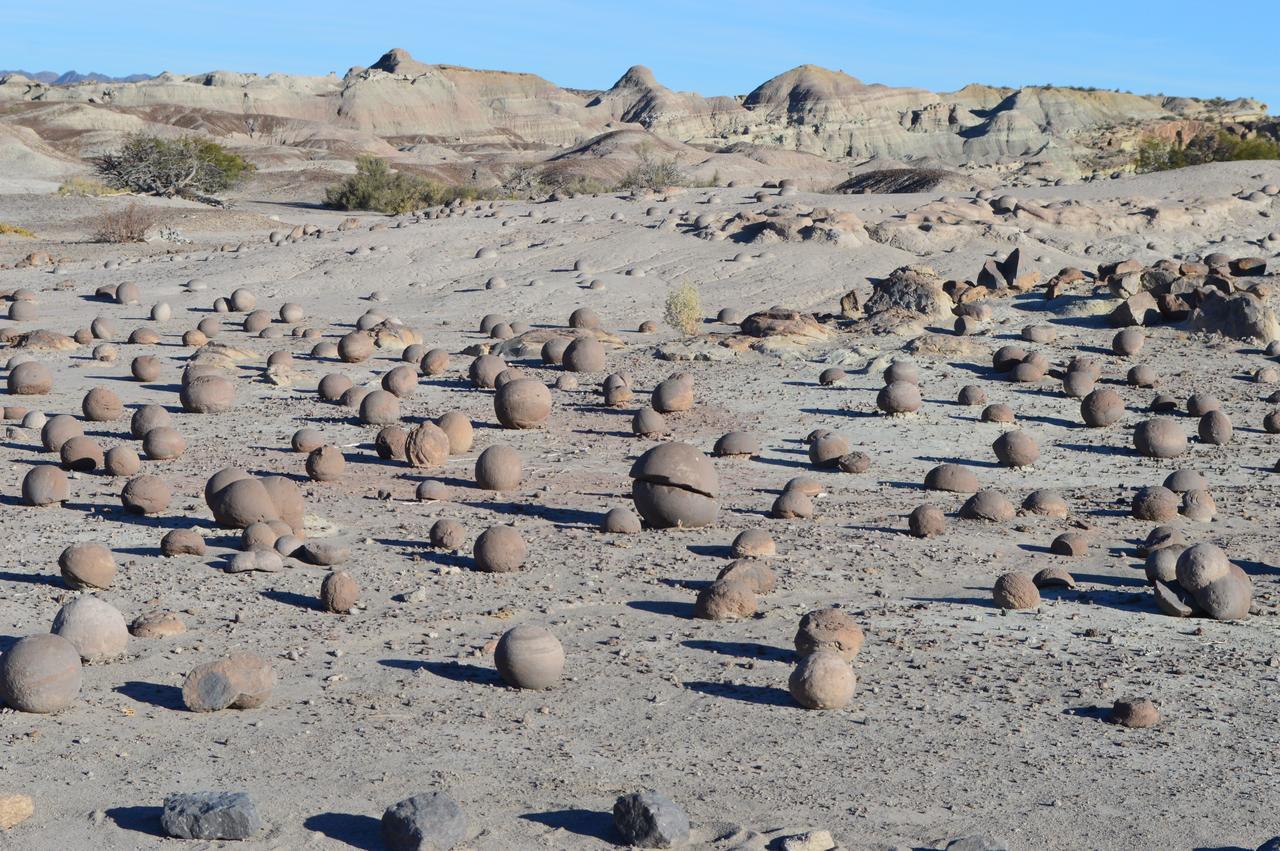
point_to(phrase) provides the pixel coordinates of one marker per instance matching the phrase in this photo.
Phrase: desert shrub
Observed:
(189, 167)
(16, 230)
(683, 310)
(84, 187)
(376, 186)
(1160, 155)
(128, 225)
(652, 173)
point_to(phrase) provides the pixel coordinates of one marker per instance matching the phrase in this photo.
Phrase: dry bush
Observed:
(85, 187)
(683, 310)
(128, 225)
(16, 230)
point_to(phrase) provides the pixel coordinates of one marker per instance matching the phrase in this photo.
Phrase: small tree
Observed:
(189, 167)
(376, 186)
(653, 173)
(683, 310)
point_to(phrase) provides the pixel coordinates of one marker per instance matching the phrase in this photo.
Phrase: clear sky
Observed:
(713, 46)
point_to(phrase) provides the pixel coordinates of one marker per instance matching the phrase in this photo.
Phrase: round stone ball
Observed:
(1215, 428)
(326, 464)
(1155, 504)
(145, 368)
(1141, 375)
(827, 448)
(1006, 358)
(500, 549)
(182, 542)
(426, 446)
(101, 405)
(81, 454)
(291, 313)
(87, 565)
(1220, 589)
(1181, 481)
(1271, 423)
(447, 534)
(822, 680)
(45, 484)
(242, 300)
(499, 468)
(1015, 591)
(725, 599)
(954, 478)
(208, 394)
(672, 395)
(529, 657)
(1199, 404)
(1101, 408)
(585, 317)
(94, 626)
(675, 485)
(620, 521)
(380, 408)
(431, 490)
(648, 423)
(256, 321)
(1039, 334)
(163, 443)
(339, 592)
(997, 413)
(434, 362)
(121, 461)
(485, 369)
(900, 397)
(753, 543)
(829, 630)
(333, 386)
(147, 419)
(737, 444)
(1135, 713)
(989, 505)
(1016, 449)
(902, 370)
(401, 380)
(1046, 503)
(1078, 383)
(972, 395)
(552, 352)
(241, 503)
(30, 378)
(584, 354)
(355, 347)
(1160, 437)
(522, 403)
(792, 505)
(1073, 544)
(831, 375)
(1128, 342)
(390, 443)
(458, 429)
(40, 673)
(306, 439)
(145, 495)
(926, 521)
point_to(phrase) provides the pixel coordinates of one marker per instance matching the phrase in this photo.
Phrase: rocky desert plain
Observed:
(946, 522)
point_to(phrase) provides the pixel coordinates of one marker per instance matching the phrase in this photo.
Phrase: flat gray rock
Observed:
(978, 842)
(428, 821)
(210, 815)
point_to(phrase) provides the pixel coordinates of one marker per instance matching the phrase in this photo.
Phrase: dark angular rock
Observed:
(650, 820)
(428, 821)
(210, 815)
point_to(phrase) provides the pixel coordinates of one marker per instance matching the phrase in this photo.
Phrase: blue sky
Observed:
(711, 47)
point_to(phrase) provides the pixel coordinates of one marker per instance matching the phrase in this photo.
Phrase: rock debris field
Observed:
(950, 525)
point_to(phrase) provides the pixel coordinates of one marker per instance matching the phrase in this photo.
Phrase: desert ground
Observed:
(967, 719)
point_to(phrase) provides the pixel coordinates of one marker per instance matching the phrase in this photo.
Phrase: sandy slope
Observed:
(965, 720)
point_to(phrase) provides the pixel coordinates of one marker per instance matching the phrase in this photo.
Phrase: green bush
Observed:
(1159, 155)
(189, 167)
(683, 310)
(376, 186)
(654, 174)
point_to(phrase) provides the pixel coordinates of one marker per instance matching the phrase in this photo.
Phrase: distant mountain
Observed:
(53, 78)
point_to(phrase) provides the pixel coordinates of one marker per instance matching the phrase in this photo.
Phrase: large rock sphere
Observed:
(499, 468)
(1015, 591)
(822, 680)
(673, 395)
(529, 657)
(1101, 408)
(87, 565)
(101, 405)
(926, 520)
(484, 371)
(954, 478)
(1016, 449)
(94, 626)
(355, 347)
(81, 453)
(675, 485)
(242, 503)
(1220, 589)
(500, 549)
(40, 673)
(57, 430)
(326, 464)
(1160, 437)
(426, 446)
(146, 418)
(339, 592)
(208, 394)
(163, 443)
(1156, 504)
(30, 378)
(380, 408)
(900, 397)
(401, 380)
(145, 495)
(726, 599)
(584, 354)
(989, 505)
(522, 403)
(333, 386)
(45, 484)
(829, 630)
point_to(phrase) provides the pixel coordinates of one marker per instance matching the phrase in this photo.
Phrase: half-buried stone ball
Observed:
(355, 347)
(553, 350)
(182, 542)
(725, 599)
(94, 626)
(972, 395)
(145, 495)
(208, 394)
(45, 484)
(522, 403)
(926, 521)
(87, 565)
(1016, 449)
(1155, 504)
(822, 680)
(620, 521)
(792, 505)
(306, 439)
(988, 505)
(1160, 437)
(753, 543)
(900, 397)
(499, 468)
(500, 549)
(145, 368)
(1199, 404)
(1101, 408)
(40, 673)
(81, 454)
(675, 486)
(242, 503)
(829, 630)
(529, 657)
(1015, 591)
(648, 423)
(737, 444)
(997, 413)
(339, 592)
(1215, 428)
(673, 395)
(1220, 588)
(830, 376)
(333, 386)
(754, 573)
(953, 478)
(101, 405)
(1046, 503)
(426, 446)
(1198, 505)
(584, 354)
(1073, 544)
(827, 448)
(901, 370)
(447, 534)
(401, 380)
(1128, 342)
(1142, 375)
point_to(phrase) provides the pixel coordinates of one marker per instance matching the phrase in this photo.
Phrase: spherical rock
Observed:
(390, 442)
(339, 592)
(725, 600)
(954, 478)
(1078, 384)
(241, 503)
(1181, 481)
(1015, 591)
(902, 370)
(673, 395)
(1073, 544)
(829, 630)
(791, 505)
(242, 300)
(529, 657)
(431, 490)
(355, 347)
(157, 624)
(45, 484)
(1101, 408)
(447, 534)
(426, 446)
(500, 549)
(1215, 428)
(753, 543)
(485, 369)
(822, 680)
(145, 495)
(87, 565)
(499, 468)
(306, 439)
(826, 449)
(163, 443)
(40, 673)
(435, 362)
(675, 485)
(1198, 505)
(182, 542)
(101, 405)
(81, 454)
(1134, 713)
(1128, 342)
(121, 461)
(1159, 438)
(208, 394)
(522, 403)
(620, 521)
(831, 375)
(972, 395)
(145, 368)
(1046, 503)
(1156, 504)
(1220, 589)
(1142, 375)
(584, 354)
(755, 573)
(241, 681)
(333, 386)
(95, 627)
(989, 505)
(900, 397)
(926, 521)
(648, 423)
(1199, 404)
(737, 444)
(326, 464)
(1016, 449)
(30, 378)
(459, 431)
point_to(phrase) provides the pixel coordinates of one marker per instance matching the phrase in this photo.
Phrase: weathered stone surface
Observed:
(210, 815)
(428, 821)
(650, 820)
(1241, 316)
